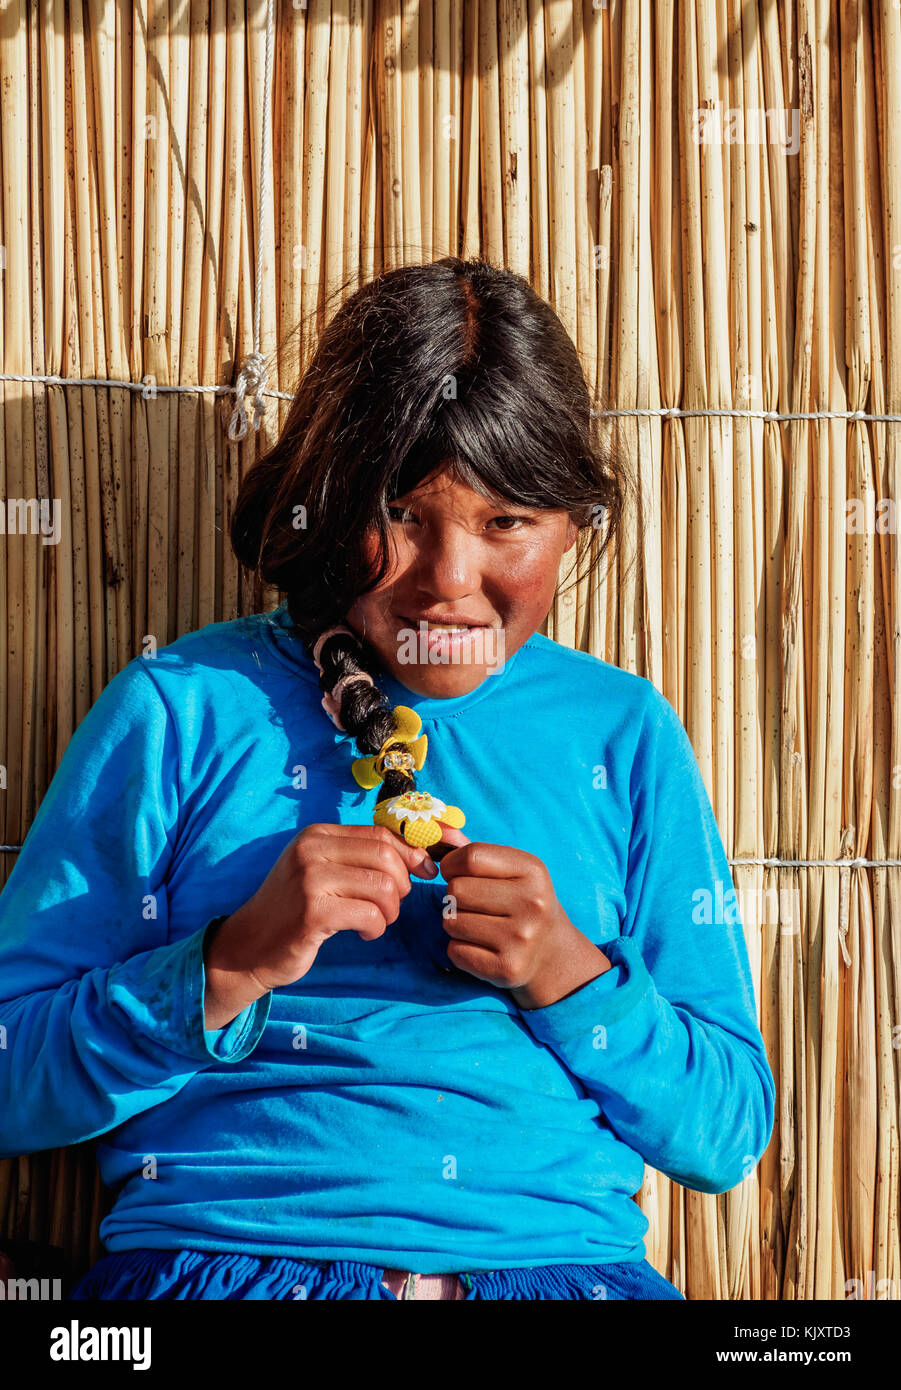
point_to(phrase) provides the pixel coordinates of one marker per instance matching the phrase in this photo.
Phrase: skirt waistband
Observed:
(203, 1274)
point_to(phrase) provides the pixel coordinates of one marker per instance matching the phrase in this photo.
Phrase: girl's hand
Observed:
(508, 928)
(329, 878)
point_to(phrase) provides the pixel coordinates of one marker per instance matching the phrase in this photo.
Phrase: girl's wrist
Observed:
(229, 990)
(579, 962)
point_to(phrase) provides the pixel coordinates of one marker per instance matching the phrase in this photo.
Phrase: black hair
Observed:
(458, 364)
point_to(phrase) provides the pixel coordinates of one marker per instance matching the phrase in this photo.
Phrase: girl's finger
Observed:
(451, 838)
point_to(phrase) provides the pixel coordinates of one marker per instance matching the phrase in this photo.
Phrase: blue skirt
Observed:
(189, 1274)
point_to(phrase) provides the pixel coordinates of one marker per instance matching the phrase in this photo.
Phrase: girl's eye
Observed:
(404, 514)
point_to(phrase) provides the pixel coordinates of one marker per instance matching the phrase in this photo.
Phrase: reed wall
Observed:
(710, 196)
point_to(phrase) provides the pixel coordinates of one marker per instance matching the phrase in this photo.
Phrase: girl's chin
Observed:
(442, 689)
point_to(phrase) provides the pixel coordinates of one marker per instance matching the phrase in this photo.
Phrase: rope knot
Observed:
(251, 380)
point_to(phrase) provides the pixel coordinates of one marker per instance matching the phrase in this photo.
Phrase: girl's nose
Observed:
(448, 564)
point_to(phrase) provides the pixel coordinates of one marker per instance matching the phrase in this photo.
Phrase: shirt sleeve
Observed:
(667, 1041)
(101, 1015)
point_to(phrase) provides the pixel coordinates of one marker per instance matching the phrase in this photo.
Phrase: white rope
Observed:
(147, 387)
(823, 863)
(773, 415)
(150, 388)
(251, 379)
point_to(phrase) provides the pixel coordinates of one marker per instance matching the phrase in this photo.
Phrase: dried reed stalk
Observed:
(561, 142)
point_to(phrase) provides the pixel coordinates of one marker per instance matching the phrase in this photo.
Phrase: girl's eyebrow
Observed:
(502, 504)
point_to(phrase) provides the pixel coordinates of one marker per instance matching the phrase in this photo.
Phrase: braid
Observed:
(361, 709)
(388, 738)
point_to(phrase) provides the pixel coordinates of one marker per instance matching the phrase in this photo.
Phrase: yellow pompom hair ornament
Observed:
(417, 816)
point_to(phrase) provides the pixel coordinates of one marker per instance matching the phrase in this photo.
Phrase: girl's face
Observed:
(459, 559)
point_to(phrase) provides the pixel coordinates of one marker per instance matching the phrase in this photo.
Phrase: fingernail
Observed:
(428, 867)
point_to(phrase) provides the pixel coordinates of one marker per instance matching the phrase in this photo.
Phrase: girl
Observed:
(323, 1066)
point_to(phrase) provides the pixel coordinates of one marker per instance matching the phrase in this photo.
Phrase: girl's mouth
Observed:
(440, 627)
(444, 637)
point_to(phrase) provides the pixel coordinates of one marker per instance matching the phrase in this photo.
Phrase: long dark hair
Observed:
(457, 364)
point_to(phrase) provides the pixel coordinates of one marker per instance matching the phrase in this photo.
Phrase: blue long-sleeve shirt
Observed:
(379, 1109)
